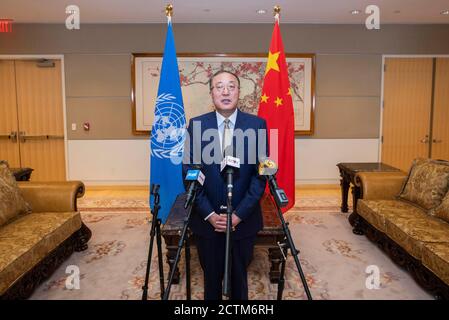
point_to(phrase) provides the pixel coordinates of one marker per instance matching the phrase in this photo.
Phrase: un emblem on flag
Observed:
(168, 133)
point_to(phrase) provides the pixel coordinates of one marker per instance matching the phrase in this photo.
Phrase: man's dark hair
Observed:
(220, 72)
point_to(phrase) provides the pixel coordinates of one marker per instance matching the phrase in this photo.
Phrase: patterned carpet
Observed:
(332, 257)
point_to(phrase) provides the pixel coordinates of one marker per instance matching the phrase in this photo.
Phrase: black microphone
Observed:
(228, 165)
(268, 168)
(195, 176)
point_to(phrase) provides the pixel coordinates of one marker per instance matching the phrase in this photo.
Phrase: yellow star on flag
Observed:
(272, 61)
(264, 98)
(289, 93)
(278, 102)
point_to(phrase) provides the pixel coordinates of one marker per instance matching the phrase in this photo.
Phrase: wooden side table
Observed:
(347, 173)
(268, 237)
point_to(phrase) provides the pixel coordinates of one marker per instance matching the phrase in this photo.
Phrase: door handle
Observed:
(23, 137)
(12, 136)
(437, 141)
(425, 140)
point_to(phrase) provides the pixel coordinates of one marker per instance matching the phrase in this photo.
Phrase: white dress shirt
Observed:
(220, 125)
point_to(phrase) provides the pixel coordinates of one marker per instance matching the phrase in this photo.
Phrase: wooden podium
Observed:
(268, 237)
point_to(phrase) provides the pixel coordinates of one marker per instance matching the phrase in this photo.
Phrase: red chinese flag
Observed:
(276, 107)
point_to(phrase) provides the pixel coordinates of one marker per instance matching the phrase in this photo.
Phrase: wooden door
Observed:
(440, 130)
(40, 115)
(406, 113)
(9, 147)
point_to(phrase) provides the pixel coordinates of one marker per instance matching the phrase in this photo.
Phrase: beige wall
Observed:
(348, 66)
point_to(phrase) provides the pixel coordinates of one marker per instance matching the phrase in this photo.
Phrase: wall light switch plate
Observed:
(73, 126)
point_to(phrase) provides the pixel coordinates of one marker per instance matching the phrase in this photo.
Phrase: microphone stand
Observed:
(227, 267)
(178, 253)
(155, 231)
(287, 244)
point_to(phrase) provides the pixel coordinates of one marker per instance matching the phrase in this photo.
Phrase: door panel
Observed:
(440, 134)
(406, 114)
(9, 147)
(40, 114)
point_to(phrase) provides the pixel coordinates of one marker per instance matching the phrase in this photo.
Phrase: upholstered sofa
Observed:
(408, 217)
(39, 228)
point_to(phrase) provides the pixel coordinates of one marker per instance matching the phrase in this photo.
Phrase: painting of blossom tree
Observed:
(195, 72)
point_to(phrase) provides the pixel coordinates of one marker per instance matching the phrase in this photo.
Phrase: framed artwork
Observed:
(195, 71)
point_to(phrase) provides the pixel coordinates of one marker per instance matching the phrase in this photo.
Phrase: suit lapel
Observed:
(239, 123)
(211, 123)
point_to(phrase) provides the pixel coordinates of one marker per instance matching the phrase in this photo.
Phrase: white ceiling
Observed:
(225, 11)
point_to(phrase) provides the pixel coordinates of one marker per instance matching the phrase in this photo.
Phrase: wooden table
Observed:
(268, 237)
(348, 172)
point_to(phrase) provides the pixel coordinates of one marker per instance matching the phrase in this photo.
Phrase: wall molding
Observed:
(126, 162)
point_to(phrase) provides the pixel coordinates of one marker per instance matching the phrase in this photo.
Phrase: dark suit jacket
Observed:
(248, 185)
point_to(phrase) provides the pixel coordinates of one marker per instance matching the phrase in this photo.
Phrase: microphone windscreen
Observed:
(195, 175)
(267, 167)
(229, 161)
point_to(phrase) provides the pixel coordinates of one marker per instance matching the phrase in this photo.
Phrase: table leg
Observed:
(356, 194)
(275, 256)
(344, 184)
(171, 243)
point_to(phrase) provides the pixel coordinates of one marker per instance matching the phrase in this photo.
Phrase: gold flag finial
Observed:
(277, 10)
(169, 10)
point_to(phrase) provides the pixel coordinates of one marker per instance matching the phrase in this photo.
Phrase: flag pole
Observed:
(169, 12)
(156, 225)
(277, 13)
(288, 240)
(184, 238)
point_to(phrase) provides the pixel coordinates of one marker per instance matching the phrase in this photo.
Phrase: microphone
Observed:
(229, 162)
(195, 176)
(269, 168)
(228, 165)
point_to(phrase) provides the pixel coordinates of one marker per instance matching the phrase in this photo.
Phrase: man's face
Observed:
(225, 92)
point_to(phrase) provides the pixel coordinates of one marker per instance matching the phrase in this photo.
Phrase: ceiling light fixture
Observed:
(355, 12)
(261, 11)
(445, 12)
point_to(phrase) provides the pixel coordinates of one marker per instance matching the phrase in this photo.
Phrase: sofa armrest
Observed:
(52, 196)
(380, 185)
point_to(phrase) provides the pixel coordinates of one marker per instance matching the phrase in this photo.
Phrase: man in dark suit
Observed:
(222, 131)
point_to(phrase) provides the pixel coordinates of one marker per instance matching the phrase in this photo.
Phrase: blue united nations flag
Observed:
(168, 132)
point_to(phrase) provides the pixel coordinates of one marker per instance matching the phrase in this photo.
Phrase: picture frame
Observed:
(195, 71)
